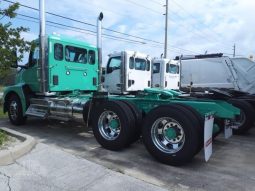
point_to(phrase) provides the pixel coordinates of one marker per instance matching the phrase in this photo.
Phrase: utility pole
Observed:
(234, 51)
(166, 27)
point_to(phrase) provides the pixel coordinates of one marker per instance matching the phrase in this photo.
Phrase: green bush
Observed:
(3, 137)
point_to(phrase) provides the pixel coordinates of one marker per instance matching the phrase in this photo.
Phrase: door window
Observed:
(113, 64)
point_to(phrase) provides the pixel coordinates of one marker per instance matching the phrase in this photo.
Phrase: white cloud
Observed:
(213, 25)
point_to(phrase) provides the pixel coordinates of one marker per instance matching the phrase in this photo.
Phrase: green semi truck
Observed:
(62, 81)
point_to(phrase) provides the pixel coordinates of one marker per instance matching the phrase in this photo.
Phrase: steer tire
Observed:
(138, 121)
(186, 120)
(248, 112)
(126, 120)
(16, 115)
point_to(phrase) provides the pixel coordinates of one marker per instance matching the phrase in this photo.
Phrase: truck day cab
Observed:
(63, 83)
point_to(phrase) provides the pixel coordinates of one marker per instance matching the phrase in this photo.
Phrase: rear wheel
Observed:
(138, 115)
(15, 112)
(113, 124)
(199, 123)
(170, 134)
(245, 120)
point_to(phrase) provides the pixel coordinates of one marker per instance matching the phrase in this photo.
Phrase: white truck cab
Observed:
(127, 72)
(165, 74)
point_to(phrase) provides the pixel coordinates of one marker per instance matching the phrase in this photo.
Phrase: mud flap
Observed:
(228, 128)
(208, 131)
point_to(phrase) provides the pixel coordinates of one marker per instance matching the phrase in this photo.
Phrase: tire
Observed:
(246, 120)
(183, 120)
(15, 112)
(138, 121)
(102, 128)
(199, 123)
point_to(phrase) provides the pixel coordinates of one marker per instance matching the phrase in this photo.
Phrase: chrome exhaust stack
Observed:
(42, 60)
(99, 47)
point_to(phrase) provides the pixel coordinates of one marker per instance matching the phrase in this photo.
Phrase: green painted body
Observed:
(71, 75)
(151, 98)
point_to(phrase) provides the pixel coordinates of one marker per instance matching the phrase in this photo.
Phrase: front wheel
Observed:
(170, 134)
(15, 112)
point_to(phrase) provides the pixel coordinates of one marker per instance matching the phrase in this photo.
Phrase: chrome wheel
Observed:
(167, 135)
(13, 110)
(109, 125)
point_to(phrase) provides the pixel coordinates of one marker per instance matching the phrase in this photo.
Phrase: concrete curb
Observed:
(9, 156)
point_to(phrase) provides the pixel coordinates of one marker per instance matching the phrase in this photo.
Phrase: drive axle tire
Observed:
(199, 123)
(170, 134)
(138, 120)
(15, 112)
(113, 124)
(246, 119)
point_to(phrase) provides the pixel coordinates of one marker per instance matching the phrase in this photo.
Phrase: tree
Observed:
(12, 45)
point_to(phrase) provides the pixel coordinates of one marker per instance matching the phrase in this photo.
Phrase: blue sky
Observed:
(195, 26)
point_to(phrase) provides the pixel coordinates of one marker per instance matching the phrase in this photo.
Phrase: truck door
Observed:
(72, 67)
(172, 76)
(138, 74)
(31, 75)
(113, 75)
(156, 75)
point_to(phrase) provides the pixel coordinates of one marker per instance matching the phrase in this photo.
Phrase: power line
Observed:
(86, 23)
(140, 5)
(156, 2)
(78, 28)
(105, 35)
(81, 30)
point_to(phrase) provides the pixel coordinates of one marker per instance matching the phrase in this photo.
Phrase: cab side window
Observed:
(92, 57)
(172, 69)
(75, 54)
(156, 68)
(58, 51)
(140, 64)
(131, 62)
(113, 64)
(148, 65)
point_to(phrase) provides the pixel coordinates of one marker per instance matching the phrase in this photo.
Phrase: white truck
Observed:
(165, 74)
(127, 72)
(213, 77)
(218, 71)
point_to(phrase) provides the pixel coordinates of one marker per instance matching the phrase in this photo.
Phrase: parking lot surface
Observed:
(231, 167)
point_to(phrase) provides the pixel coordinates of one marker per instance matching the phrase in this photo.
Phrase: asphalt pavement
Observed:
(231, 167)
